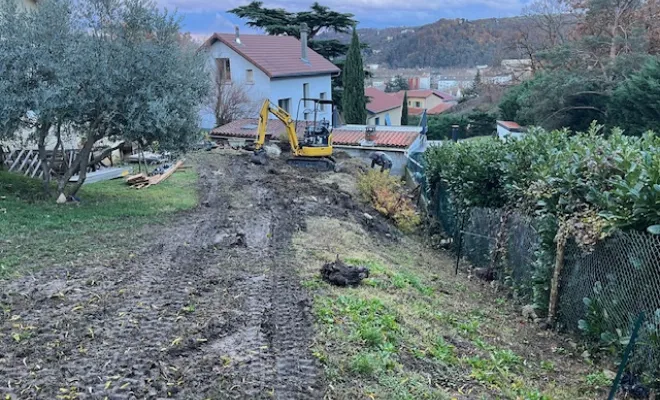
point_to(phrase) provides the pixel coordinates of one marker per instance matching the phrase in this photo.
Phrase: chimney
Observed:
(238, 36)
(304, 30)
(454, 133)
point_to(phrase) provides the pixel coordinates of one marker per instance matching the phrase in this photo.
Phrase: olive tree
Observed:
(116, 70)
(38, 60)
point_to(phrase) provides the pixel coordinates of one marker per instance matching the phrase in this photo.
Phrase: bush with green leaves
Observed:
(605, 182)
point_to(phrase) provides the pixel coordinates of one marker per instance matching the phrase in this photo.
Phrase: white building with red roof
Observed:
(510, 129)
(383, 107)
(433, 101)
(280, 68)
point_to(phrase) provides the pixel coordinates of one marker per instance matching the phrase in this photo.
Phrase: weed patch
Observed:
(388, 196)
(396, 337)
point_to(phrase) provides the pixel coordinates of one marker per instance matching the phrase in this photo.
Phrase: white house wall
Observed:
(256, 91)
(263, 87)
(292, 88)
(395, 117)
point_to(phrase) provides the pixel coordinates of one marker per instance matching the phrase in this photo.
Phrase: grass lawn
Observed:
(414, 330)
(36, 233)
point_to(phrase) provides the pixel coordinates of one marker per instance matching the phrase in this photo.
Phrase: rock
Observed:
(340, 274)
(273, 151)
(529, 312)
(61, 199)
(486, 274)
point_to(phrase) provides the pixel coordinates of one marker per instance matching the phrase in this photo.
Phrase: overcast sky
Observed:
(203, 17)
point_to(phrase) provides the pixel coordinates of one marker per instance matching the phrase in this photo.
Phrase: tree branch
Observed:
(574, 108)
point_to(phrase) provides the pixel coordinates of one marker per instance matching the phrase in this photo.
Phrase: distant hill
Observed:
(445, 43)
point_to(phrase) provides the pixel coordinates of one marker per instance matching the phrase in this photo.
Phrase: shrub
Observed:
(388, 197)
(608, 182)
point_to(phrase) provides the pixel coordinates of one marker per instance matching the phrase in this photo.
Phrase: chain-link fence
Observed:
(509, 260)
(602, 292)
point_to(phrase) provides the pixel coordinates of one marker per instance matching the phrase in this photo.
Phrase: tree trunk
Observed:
(615, 27)
(85, 162)
(79, 165)
(561, 238)
(42, 133)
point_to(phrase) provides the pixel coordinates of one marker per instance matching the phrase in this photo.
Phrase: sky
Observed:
(203, 17)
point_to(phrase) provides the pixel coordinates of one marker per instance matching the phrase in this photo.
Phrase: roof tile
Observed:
(382, 137)
(509, 124)
(351, 135)
(247, 128)
(276, 56)
(380, 101)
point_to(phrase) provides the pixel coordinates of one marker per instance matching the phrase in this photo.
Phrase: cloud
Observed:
(357, 7)
(206, 16)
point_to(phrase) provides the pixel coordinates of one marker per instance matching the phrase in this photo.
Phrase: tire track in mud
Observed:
(212, 308)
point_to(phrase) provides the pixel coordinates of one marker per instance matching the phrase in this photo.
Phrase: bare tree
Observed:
(545, 24)
(230, 102)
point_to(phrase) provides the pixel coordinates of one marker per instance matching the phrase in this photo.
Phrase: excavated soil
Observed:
(209, 307)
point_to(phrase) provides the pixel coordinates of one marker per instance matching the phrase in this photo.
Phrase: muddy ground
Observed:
(209, 307)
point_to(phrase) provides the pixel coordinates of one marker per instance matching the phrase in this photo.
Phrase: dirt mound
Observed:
(340, 274)
(351, 166)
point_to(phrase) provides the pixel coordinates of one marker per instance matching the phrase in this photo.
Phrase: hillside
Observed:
(444, 43)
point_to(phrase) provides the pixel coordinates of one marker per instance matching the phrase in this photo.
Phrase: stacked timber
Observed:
(138, 181)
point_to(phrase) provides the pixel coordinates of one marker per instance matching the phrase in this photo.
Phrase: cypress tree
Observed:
(354, 101)
(404, 110)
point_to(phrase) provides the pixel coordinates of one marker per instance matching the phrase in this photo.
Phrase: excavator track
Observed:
(317, 163)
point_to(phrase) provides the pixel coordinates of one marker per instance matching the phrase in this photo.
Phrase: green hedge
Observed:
(607, 181)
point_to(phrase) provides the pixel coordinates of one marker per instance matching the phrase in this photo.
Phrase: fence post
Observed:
(626, 355)
(561, 238)
(460, 240)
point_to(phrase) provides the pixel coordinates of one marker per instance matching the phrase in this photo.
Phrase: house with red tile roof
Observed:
(433, 101)
(280, 68)
(382, 107)
(510, 129)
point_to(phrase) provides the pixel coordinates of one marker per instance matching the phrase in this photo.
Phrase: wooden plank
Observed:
(37, 169)
(25, 160)
(16, 160)
(28, 169)
(137, 177)
(159, 178)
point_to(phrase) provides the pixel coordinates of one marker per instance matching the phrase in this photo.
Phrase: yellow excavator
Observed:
(314, 150)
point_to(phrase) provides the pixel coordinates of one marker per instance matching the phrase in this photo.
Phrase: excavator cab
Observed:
(312, 150)
(318, 134)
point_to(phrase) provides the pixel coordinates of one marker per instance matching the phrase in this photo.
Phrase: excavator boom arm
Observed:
(283, 116)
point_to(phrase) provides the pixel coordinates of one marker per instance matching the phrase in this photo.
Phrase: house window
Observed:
(249, 76)
(409, 103)
(285, 104)
(418, 104)
(322, 97)
(224, 69)
(377, 121)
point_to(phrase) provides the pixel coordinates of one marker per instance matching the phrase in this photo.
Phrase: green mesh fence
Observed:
(601, 292)
(515, 263)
